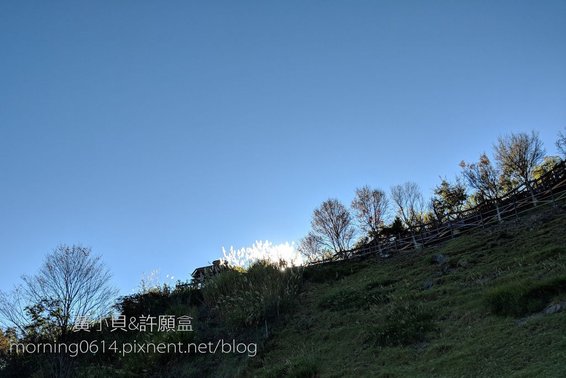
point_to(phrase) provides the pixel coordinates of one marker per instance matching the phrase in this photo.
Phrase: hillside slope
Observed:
(490, 304)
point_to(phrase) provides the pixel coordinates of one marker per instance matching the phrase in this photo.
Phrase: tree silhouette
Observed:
(370, 207)
(71, 283)
(448, 199)
(486, 179)
(410, 205)
(518, 155)
(332, 226)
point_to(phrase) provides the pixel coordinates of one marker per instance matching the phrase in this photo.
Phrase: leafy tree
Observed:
(486, 179)
(448, 199)
(43, 321)
(71, 283)
(429, 216)
(395, 228)
(7, 337)
(546, 166)
(518, 155)
(370, 208)
(332, 226)
(473, 200)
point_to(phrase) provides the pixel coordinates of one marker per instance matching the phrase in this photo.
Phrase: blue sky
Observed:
(159, 132)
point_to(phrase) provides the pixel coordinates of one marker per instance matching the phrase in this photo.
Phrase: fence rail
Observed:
(549, 189)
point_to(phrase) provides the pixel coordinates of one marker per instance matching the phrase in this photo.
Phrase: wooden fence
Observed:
(548, 190)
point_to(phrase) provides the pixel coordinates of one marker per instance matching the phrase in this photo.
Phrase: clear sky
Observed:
(158, 132)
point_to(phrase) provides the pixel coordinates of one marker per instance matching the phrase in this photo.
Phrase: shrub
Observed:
(158, 300)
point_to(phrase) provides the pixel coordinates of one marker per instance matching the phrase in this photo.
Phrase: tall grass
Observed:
(250, 297)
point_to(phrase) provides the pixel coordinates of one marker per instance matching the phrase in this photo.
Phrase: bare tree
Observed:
(410, 205)
(370, 207)
(310, 247)
(561, 142)
(71, 284)
(486, 179)
(332, 225)
(12, 309)
(518, 155)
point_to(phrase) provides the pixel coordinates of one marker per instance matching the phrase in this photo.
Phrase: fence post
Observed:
(554, 204)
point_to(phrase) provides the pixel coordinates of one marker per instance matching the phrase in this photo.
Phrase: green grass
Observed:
(524, 297)
(476, 315)
(475, 320)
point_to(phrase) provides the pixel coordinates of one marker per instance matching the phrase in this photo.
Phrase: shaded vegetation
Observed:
(474, 306)
(403, 325)
(524, 297)
(452, 327)
(261, 293)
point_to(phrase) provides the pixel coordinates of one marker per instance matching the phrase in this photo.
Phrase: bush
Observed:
(158, 300)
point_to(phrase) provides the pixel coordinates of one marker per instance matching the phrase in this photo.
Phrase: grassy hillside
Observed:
(474, 306)
(491, 303)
